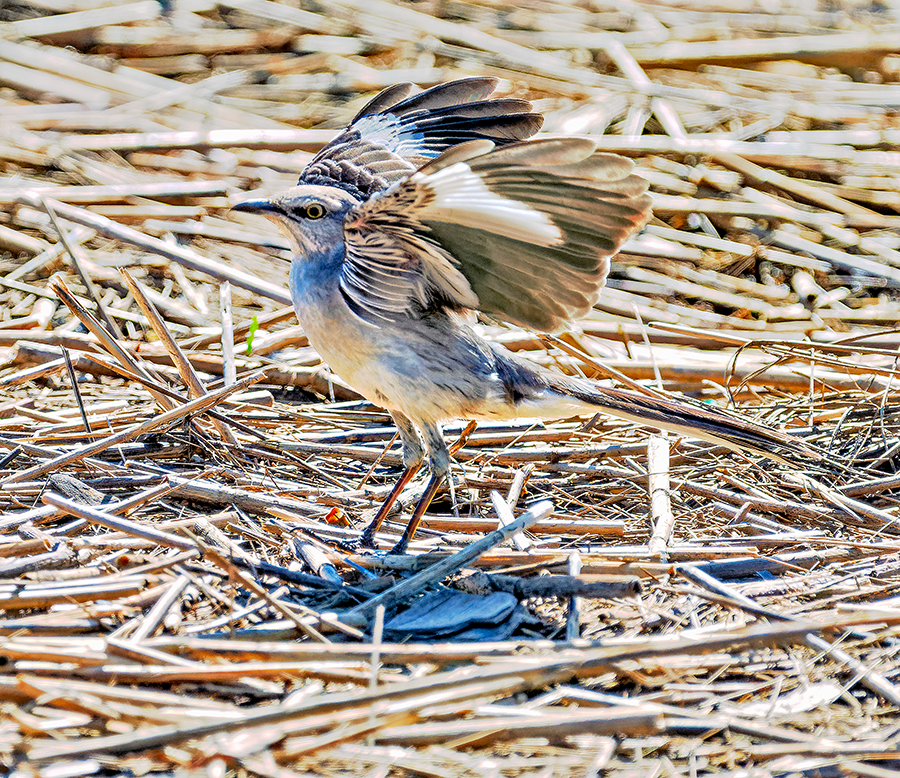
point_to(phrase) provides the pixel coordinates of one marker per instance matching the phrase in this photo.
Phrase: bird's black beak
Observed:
(255, 206)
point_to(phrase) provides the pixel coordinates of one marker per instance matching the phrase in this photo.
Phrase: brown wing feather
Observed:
(524, 232)
(593, 201)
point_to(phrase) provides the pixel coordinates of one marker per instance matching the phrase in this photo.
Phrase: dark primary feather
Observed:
(392, 136)
(463, 90)
(524, 233)
(385, 99)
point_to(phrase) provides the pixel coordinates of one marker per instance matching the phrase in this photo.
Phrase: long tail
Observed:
(706, 423)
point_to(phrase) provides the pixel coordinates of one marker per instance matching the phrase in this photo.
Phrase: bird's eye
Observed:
(314, 211)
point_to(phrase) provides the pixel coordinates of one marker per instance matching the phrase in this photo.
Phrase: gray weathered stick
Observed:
(440, 570)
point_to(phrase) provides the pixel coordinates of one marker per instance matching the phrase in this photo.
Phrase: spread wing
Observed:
(523, 233)
(392, 136)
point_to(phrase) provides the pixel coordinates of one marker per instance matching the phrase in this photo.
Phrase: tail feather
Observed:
(707, 423)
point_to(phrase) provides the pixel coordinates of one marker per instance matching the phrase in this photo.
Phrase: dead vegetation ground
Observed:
(175, 598)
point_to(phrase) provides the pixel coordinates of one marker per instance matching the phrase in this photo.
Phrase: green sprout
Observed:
(254, 326)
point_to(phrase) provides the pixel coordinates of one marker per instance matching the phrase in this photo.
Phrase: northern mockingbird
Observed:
(429, 205)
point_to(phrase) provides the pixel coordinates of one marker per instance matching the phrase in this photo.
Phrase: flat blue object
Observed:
(428, 206)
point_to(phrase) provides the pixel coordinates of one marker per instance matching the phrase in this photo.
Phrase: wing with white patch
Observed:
(523, 233)
(392, 136)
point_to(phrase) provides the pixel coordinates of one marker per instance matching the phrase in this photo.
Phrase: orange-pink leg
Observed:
(439, 461)
(418, 513)
(367, 539)
(413, 455)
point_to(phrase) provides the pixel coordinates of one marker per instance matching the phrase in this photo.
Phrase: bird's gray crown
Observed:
(295, 202)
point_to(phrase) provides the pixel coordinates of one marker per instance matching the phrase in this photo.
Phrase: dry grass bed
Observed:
(179, 472)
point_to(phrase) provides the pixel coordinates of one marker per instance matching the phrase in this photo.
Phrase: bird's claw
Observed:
(367, 539)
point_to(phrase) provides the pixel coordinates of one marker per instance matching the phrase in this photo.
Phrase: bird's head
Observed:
(311, 216)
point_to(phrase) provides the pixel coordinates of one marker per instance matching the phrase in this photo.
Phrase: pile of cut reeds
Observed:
(180, 474)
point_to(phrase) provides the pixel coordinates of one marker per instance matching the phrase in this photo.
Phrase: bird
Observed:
(431, 206)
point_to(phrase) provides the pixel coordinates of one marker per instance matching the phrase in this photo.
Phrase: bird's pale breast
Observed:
(430, 369)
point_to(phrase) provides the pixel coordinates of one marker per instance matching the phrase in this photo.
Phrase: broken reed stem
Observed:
(660, 499)
(75, 253)
(229, 370)
(117, 523)
(106, 340)
(505, 513)
(573, 612)
(186, 370)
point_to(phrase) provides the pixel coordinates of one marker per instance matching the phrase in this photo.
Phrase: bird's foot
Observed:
(401, 548)
(365, 542)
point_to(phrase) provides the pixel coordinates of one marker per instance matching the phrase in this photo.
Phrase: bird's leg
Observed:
(413, 455)
(439, 460)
